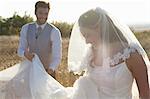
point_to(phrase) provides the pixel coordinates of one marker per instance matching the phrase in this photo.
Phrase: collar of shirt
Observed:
(42, 26)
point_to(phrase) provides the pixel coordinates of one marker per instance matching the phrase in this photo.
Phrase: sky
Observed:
(127, 11)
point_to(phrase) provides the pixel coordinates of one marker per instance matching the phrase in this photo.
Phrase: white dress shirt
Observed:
(56, 44)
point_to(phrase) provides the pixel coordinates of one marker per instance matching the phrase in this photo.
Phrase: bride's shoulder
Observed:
(135, 61)
(135, 58)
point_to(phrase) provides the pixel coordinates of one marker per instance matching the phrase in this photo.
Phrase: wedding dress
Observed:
(97, 83)
(29, 80)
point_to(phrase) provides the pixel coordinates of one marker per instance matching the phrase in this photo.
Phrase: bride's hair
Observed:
(88, 19)
(91, 19)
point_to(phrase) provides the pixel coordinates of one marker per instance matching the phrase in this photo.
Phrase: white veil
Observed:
(116, 41)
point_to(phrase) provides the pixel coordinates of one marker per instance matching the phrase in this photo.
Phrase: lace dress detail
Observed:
(117, 83)
(124, 55)
(121, 56)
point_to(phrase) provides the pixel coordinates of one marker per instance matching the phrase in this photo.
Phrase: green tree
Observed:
(12, 25)
(64, 27)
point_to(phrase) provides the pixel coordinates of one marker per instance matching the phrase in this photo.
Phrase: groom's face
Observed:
(41, 15)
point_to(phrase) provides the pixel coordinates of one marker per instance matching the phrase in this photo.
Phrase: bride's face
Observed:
(91, 35)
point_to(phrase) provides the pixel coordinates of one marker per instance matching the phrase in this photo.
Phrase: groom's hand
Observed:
(28, 55)
(49, 71)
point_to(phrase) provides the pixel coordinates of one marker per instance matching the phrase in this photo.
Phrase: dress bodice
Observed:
(116, 82)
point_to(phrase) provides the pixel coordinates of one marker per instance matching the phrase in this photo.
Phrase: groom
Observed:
(41, 38)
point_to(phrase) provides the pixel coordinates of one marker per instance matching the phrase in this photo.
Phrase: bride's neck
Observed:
(96, 57)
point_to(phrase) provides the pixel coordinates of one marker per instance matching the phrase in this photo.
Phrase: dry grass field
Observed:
(8, 55)
(8, 58)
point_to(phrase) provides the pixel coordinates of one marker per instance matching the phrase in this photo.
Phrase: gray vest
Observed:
(42, 46)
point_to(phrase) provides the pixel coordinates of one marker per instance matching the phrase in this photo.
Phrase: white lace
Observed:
(124, 55)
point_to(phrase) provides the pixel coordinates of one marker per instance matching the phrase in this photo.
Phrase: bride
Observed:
(110, 56)
(103, 49)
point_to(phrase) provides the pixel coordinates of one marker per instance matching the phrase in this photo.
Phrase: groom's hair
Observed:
(41, 4)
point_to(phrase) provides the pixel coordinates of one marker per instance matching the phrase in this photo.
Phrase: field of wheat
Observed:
(8, 55)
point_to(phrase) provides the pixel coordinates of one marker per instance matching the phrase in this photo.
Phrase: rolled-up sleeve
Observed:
(56, 48)
(22, 41)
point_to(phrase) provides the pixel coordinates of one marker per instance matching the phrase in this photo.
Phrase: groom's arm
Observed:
(22, 41)
(56, 49)
(22, 48)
